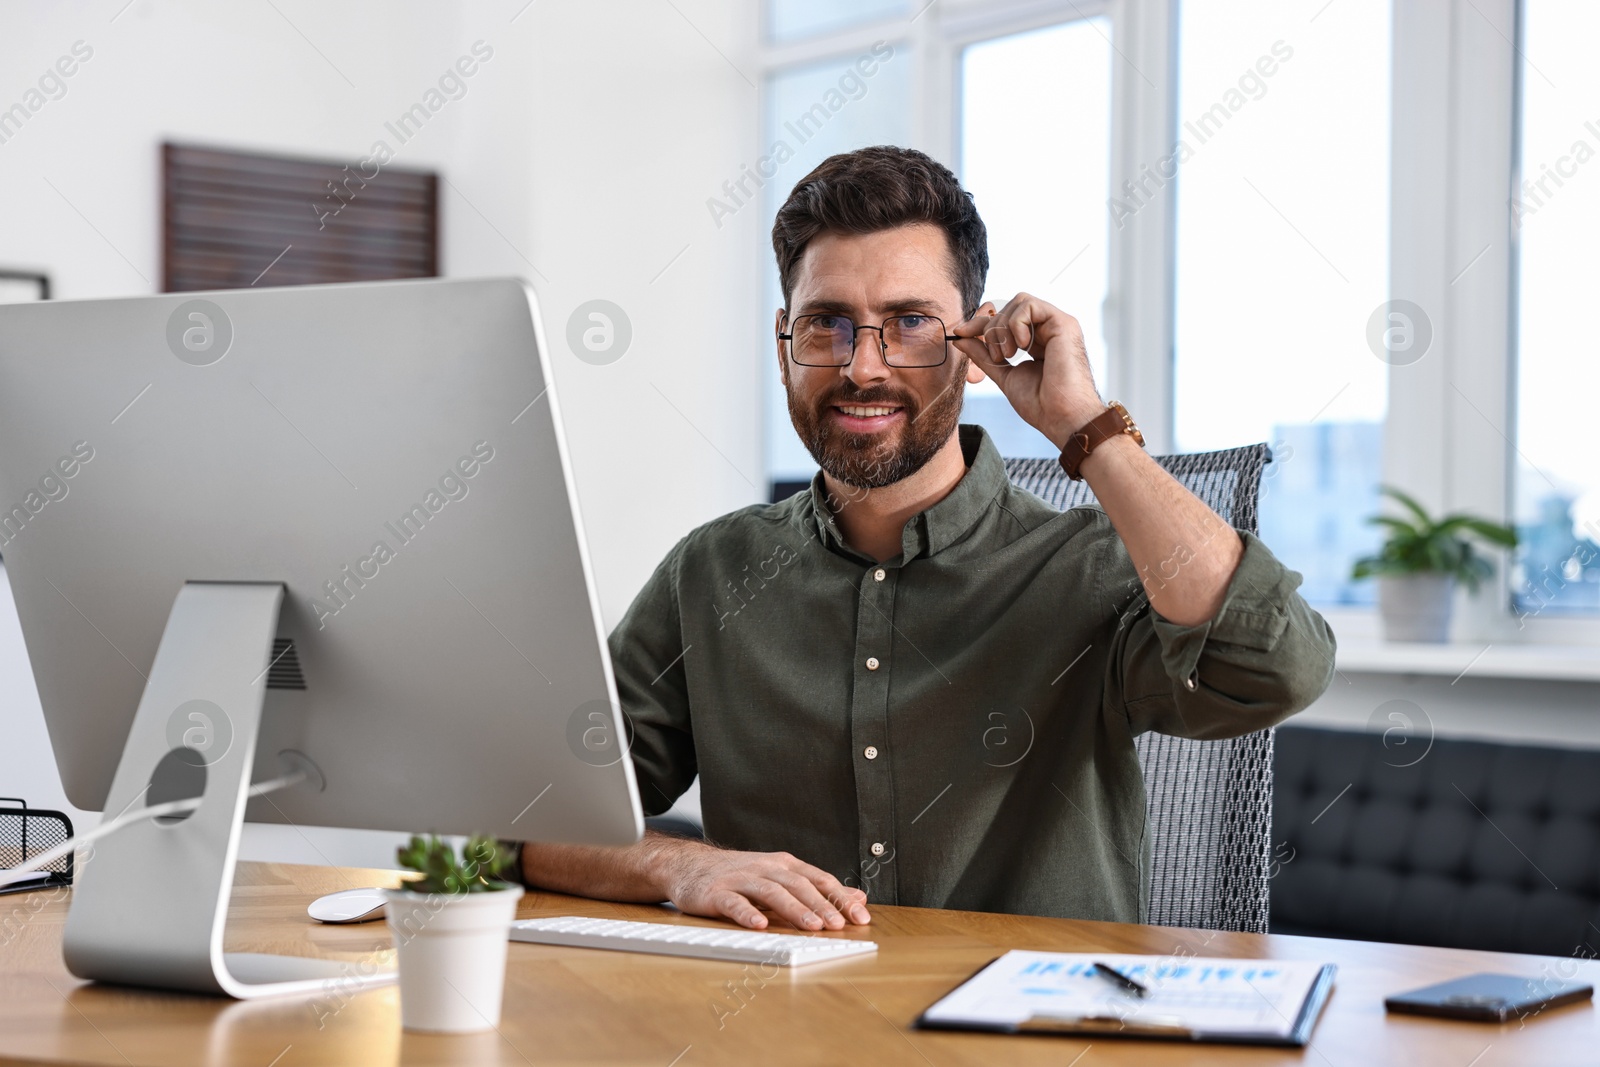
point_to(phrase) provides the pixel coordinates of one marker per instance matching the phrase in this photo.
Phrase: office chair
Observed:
(1210, 802)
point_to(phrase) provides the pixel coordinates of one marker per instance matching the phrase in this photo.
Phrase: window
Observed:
(1556, 224)
(1050, 90)
(1282, 238)
(789, 20)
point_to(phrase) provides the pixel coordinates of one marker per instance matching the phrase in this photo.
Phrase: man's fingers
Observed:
(853, 904)
(846, 900)
(978, 348)
(751, 887)
(778, 898)
(804, 889)
(999, 342)
(738, 908)
(1016, 319)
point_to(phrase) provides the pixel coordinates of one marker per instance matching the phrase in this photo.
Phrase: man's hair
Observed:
(879, 188)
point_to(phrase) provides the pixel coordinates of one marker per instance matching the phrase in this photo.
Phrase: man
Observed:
(916, 683)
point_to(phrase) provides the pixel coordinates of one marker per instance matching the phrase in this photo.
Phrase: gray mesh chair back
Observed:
(1210, 802)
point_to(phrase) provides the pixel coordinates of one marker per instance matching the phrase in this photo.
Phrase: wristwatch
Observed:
(1110, 422)
(515, 849)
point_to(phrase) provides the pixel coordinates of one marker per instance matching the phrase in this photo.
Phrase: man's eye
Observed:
(828, 322)
(913, 322)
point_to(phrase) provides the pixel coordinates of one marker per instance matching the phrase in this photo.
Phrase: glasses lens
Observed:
(914, 340)
(823, 340)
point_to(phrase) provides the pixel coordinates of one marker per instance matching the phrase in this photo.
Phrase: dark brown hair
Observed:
(879, 188)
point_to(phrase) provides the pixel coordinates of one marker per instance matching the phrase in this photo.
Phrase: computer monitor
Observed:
(347, 506)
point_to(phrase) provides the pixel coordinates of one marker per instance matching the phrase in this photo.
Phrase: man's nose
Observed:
(868, 367)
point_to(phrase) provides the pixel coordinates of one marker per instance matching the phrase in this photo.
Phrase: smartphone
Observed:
(1493, 998)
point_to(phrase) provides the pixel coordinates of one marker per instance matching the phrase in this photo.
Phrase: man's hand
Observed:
(704, 880)
(700, 879)
(1054, 392)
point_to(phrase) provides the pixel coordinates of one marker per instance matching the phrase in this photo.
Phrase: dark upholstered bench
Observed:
(1456, 843)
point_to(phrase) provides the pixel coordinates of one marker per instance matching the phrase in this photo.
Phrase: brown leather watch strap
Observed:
(1109, 423)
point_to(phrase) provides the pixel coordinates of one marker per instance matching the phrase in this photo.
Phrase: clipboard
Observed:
(1227, 1001)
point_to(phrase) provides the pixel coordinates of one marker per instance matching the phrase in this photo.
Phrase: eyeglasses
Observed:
(828, 340)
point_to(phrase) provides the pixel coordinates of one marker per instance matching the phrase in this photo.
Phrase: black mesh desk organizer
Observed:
(24, 833)
(1210, 802)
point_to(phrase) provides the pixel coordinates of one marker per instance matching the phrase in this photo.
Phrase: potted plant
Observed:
(1419, 564)
(450, 928)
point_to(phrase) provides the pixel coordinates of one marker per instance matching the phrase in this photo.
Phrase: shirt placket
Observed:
(869, 734)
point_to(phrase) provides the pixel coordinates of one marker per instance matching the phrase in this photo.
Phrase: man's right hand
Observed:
(704, 880)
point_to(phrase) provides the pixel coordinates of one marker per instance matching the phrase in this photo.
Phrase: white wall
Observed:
(580, 158)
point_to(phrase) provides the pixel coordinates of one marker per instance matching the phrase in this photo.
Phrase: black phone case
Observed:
(1494, 998)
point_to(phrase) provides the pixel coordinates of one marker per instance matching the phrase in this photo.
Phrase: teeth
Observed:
(864, 413)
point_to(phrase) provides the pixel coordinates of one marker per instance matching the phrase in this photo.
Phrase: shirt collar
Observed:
(930, 532)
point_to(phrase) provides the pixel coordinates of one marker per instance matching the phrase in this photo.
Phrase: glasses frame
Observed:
(883, 345)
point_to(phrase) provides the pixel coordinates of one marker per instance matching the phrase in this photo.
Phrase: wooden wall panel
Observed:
(235, 219)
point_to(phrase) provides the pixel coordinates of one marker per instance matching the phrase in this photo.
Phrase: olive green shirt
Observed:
(952, 728)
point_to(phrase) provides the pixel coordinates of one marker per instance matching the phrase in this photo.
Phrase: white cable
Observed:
(155, 811)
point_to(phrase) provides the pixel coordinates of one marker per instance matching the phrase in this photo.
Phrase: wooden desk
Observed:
(581, 1006)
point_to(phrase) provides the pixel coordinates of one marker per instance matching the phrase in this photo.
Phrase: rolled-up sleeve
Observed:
(647, 658)
(1265, 655)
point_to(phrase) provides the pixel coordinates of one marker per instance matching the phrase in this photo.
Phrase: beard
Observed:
(872, 461)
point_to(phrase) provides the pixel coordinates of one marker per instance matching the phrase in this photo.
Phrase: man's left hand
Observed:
(1054, 392)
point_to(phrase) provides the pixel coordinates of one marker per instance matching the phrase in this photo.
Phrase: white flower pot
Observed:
(1416, 607)
(452, 955)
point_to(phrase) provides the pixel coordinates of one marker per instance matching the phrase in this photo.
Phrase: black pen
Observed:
(1128, 985)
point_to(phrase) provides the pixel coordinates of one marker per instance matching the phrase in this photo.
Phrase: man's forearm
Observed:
(634, 873)
(1183, 552)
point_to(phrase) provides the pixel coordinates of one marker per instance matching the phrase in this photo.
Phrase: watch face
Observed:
(1128, 419)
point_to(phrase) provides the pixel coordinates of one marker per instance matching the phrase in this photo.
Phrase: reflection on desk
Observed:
(584, 1006)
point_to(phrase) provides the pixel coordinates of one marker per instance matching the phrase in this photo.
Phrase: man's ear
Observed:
(783, 364)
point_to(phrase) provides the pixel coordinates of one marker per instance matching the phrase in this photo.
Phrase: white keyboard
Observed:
(735, 946)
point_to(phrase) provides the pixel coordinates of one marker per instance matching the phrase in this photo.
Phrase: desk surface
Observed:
(582, 1006)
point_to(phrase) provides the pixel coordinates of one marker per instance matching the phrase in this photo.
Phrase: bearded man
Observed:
(835, 667)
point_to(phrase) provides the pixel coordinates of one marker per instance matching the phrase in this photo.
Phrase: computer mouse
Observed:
(348, 906)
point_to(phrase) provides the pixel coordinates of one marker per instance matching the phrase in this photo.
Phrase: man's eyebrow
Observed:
(913, 303)
(900, 305)
(836, 307)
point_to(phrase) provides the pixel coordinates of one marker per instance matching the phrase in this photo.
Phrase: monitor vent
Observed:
(283, 671)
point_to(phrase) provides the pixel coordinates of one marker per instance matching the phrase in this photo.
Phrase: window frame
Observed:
(1453, 158)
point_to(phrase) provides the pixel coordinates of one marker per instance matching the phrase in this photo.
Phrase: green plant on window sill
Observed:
(479, 869)
(1426, 546)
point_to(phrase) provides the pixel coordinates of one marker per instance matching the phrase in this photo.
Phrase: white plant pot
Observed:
(452, 955)
(1416, 607)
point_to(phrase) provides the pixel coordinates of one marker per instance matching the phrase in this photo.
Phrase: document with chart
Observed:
(1273, 1002)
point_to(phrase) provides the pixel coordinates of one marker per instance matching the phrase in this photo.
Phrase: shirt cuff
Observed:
(1253, 615)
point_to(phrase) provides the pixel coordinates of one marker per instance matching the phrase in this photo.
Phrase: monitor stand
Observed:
(151, 899)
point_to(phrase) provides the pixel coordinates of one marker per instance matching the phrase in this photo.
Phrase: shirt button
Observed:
(880, 574)
(872, 664)
(877, 848)
(1189, 682)
(871, 752)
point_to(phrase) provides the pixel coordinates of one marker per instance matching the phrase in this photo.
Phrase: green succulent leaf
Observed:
(482, 860)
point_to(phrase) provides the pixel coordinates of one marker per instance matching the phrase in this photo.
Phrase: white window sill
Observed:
(1368, 655)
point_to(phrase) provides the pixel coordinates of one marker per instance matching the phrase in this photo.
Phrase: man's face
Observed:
(868, 424)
